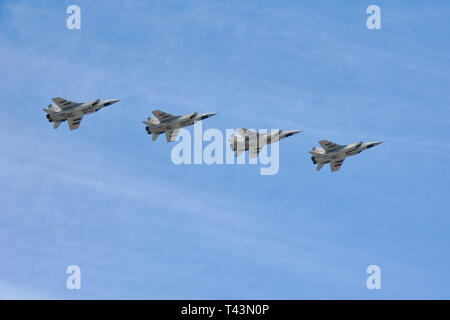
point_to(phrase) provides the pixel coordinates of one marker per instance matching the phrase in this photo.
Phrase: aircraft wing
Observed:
(172, 135)
(163, 116)
(74, 122)
(63, 103)
(245, 132)
(329, 146)
(335, 165)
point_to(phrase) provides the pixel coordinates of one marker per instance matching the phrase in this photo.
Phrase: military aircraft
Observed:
(335, 154)
(170, 124)
(255, 141)
(73, 112)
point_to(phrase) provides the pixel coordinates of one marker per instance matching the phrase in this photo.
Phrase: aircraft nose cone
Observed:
(373, 144)
(207, 115)
(292, 132)
(286, 134)
(115, 100)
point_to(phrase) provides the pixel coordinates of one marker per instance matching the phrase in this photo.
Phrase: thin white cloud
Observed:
(9, 291)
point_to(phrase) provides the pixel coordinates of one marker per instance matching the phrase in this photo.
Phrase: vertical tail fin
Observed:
(237, 144)
(151, 123)
(317, 152)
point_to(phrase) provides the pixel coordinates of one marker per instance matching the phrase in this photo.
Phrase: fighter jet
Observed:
(335, 154)
(170, 124)
(254, 141)
(73, 112)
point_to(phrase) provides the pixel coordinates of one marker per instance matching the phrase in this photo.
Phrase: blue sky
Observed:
(107, 198)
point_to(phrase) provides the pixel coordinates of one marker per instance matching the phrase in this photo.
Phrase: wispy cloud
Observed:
(12, 292)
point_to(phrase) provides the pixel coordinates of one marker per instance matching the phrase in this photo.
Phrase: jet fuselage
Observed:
(344, 152)
(260, 140)
(335, 154)
(77, 109)
(176, 122)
